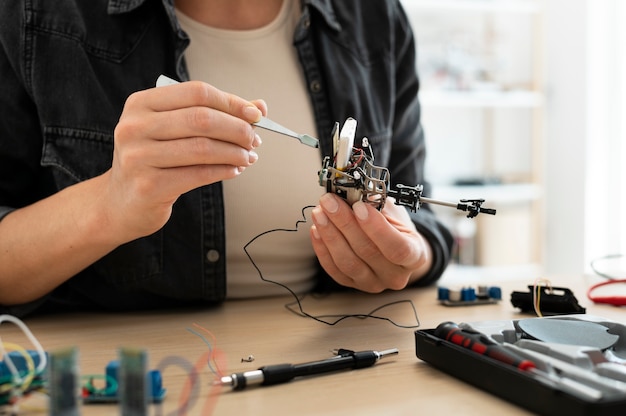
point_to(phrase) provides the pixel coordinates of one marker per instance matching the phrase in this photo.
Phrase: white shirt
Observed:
(263, 63)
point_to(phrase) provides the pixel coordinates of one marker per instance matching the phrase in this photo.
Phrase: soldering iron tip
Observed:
(385, 353)
(224, 381)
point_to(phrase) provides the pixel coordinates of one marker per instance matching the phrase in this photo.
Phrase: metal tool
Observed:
(264, 122)
(282, 373)
(267, 124)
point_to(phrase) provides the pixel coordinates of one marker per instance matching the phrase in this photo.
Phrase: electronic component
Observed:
(18, 360)
(352, 175)
(22, 371)
(133, 386)
(11, 388)
(345, 143)
(110, 393)
(63, 382)
(549, 300)
(469, 295)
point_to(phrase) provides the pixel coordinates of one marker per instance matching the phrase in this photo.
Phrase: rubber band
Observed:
(537, 294)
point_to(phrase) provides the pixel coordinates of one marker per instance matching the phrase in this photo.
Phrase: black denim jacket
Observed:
(67, 67)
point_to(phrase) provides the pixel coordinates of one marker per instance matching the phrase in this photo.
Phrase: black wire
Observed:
(370, 314)
(320, 318)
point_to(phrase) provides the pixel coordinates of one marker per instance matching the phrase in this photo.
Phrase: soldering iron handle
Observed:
(281, 373)
(278, 373)
(274, 374)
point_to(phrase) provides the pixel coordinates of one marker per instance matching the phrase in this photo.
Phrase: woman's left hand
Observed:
(367, 249)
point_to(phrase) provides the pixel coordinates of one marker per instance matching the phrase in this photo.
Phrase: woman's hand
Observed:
(369, 250)
(170, 140)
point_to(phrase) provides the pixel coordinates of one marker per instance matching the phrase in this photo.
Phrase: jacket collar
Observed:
(125, 6)
(325, 8)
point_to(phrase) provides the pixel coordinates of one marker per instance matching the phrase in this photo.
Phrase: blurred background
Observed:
(524, 104)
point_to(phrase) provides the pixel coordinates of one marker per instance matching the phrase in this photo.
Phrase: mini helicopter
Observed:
(352, 175)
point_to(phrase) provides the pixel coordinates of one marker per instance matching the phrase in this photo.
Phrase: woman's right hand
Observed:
(170, 140)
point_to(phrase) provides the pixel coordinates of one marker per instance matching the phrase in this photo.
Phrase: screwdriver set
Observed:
(571, 365)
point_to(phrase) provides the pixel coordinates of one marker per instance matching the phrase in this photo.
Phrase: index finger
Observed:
(174, 95)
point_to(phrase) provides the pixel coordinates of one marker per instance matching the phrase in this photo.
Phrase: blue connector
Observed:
(110, 394)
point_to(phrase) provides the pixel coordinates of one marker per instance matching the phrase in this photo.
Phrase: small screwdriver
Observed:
(481, 344)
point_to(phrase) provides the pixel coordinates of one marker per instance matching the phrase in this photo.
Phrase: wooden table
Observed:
(266, 330)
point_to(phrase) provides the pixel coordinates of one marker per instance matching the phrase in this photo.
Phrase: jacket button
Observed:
(315, 86)
(213, 256)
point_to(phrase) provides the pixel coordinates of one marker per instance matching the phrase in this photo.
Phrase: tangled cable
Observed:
(21, 382)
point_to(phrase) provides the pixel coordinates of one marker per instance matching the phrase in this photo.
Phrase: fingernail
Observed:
(360, 210)
(329, 203)
(240, 169)
(257, 141)
(251, 113)
(316, 235)
(319, 217)
(253, 156)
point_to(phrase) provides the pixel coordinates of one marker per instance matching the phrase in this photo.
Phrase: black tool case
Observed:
(508, 382)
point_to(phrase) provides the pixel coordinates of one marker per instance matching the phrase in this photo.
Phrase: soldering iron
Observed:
(282, 373)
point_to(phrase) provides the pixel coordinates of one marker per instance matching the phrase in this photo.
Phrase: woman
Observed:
(115, 194)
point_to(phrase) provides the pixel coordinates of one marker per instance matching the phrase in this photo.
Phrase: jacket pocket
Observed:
(75, 154)
(105, 36)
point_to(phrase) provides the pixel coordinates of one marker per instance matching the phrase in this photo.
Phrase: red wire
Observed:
(610, 300)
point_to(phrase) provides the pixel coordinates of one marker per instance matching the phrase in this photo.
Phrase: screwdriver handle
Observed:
(481, 344)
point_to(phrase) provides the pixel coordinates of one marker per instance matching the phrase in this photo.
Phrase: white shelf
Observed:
(462, 275)
(509, 6)
(481, 99)
(494, 49)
